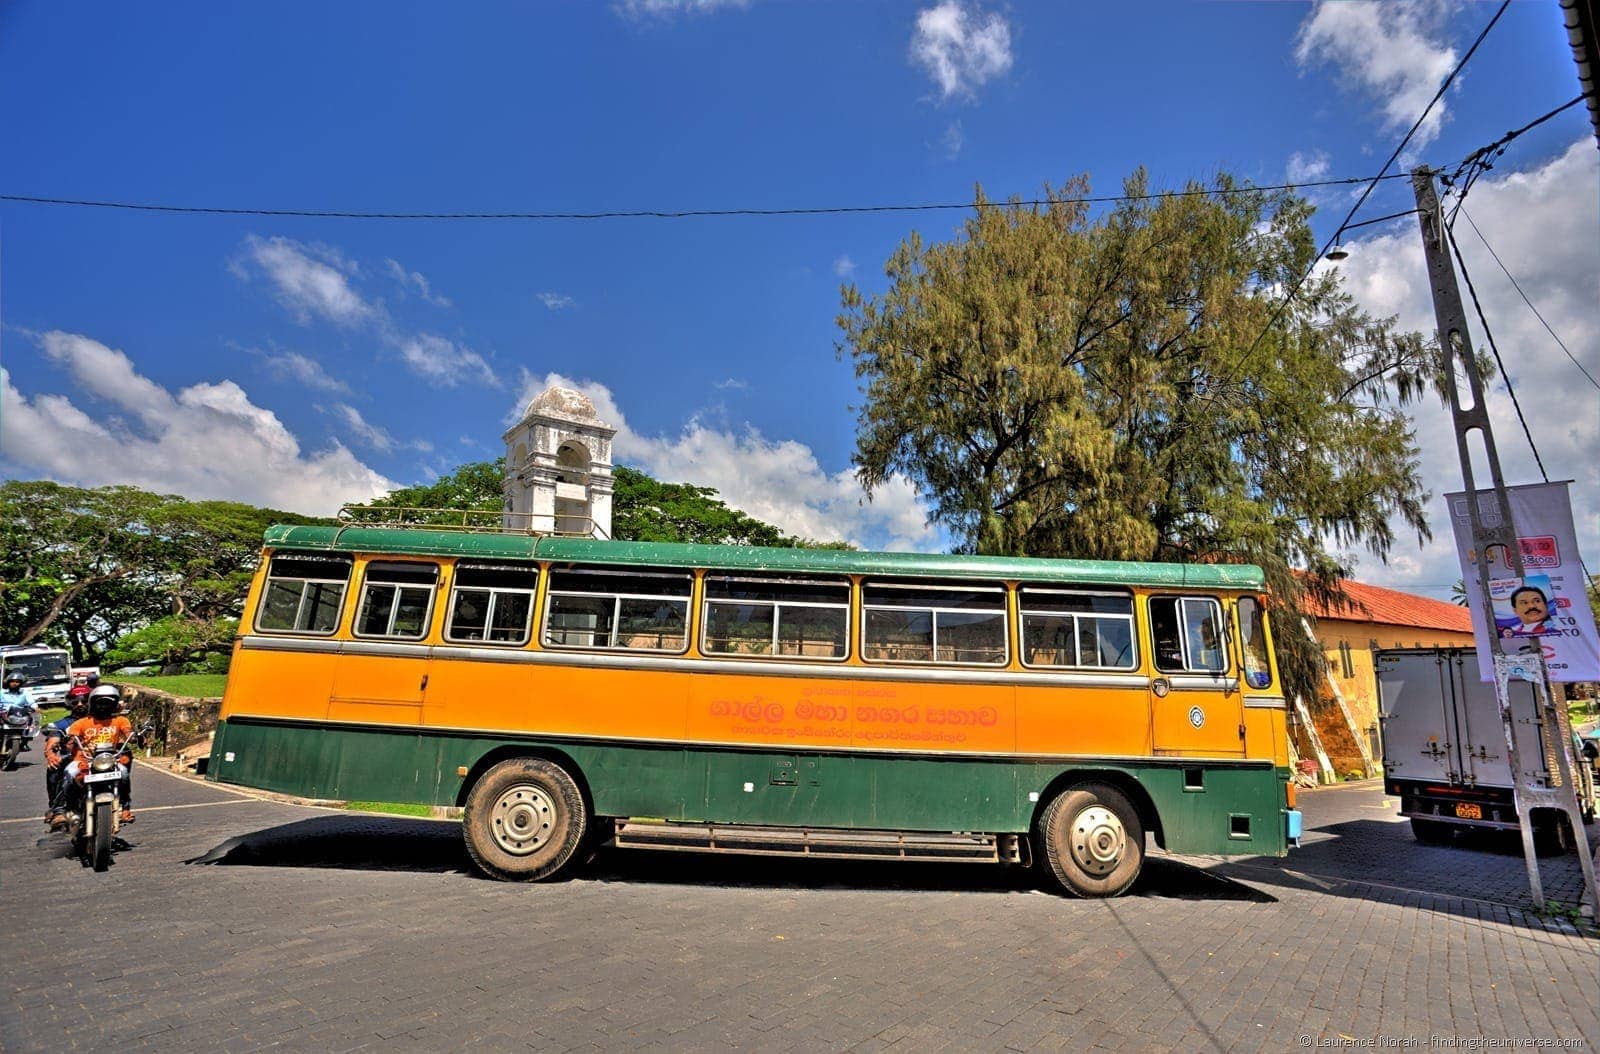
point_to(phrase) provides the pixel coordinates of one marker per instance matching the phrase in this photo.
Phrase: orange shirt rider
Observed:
(91, 732)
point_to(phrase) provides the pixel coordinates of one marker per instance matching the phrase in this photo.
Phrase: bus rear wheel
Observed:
(524, 820)
(1092, 840)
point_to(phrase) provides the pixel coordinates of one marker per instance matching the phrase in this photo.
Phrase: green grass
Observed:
(395, 807)
(189, 685)
(1578, 711)
(51, 714)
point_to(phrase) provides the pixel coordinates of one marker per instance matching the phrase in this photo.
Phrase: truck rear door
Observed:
(1420, 736)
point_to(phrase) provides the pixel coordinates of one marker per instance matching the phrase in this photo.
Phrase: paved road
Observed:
(310, 930)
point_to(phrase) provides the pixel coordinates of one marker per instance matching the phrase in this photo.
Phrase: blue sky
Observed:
(304, 362)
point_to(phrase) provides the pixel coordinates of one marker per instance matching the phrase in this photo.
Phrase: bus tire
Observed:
(1092, 841)
(524, 820)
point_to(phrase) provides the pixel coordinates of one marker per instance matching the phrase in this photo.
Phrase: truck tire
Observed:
(524, 820)
(1430, 832)
(1552, 834)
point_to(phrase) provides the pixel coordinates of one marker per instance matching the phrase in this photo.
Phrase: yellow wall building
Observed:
(1374, 619)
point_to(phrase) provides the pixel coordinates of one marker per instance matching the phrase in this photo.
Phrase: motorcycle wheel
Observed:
(102, 834)
(8, 754)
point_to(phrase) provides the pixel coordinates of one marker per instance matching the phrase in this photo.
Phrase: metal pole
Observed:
(1541, 767)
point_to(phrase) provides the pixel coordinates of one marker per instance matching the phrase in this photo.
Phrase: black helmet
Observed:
(13, 679)
(105, 701)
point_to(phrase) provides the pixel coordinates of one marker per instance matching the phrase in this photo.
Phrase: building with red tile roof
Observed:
(1371, 619)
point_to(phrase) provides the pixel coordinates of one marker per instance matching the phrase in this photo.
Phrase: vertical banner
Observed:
(1548, 606)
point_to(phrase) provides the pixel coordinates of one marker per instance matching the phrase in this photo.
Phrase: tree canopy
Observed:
(643, 509)
(86, 566)
(1115, 386)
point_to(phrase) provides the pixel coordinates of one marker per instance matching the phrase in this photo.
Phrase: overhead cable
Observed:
(1518, 287)
(666, 214)
(1294, 290)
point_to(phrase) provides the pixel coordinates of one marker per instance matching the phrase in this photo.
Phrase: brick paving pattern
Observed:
(315, 931)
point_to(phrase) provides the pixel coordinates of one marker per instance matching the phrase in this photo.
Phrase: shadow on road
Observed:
(389, 844)
(1381, 860)
(362, 843)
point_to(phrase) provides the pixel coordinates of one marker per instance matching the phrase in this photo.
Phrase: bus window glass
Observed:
(492, 603)
(805, 618)
(918, 622)
(1253, 643)
(395, 600)
(590, 608)
(303, 594)
(1187, 632)
(1077, 629)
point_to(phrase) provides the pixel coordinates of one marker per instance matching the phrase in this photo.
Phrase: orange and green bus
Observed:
(565, 692)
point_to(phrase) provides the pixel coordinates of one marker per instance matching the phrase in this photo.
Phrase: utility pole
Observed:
(1537, 743)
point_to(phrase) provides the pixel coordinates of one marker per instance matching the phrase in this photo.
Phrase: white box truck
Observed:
(1444, 748)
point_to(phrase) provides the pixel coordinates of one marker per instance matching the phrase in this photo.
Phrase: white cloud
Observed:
(1545, 225)
(955, 137)
(373, 436)
(311, 281)
(291, 365)
(844, 267)
(445, 362)
(661, 10)
(960, 47)
(733, 383)
(206, 441)
(1307, 167)
(779, 481)
(556, 301)
(414, 281)
(1390, 50)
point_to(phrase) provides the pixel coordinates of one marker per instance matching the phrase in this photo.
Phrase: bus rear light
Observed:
(1289, 790)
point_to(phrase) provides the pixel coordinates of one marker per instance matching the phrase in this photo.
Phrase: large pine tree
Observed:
(1115, 386)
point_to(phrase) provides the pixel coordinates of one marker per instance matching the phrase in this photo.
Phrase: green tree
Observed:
(643, 509)
(1059, 383)
(84, 566)
(177, 644)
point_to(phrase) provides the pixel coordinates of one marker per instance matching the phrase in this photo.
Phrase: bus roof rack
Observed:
(476, 521)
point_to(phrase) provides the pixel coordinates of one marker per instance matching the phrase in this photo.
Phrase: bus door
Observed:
(382, 674)
(1196, 707)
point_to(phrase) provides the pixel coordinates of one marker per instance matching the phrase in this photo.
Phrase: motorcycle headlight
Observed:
(16, 717)
(103, 763)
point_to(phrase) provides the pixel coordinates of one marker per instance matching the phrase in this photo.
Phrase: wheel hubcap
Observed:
(521, 820)
(1098, 840)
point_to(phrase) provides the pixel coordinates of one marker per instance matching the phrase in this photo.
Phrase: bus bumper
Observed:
(1292, 822)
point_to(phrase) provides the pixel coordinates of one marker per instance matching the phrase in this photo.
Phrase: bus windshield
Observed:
(49, 667)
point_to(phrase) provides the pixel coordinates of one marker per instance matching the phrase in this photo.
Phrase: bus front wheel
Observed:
(1092, 840)
(524, 820)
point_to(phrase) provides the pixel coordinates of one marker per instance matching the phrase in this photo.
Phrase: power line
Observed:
(1516, 285)
(1295, 289)
(666, 214)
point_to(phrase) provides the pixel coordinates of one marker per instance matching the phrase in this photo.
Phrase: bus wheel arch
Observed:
(1130, 787)
(506, 753)
(525, 818)
(1089, 837)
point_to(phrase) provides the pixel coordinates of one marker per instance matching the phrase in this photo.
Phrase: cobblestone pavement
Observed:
(311, 930)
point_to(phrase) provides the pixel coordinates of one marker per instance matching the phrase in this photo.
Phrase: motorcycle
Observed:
(95, 820)
(19, 723)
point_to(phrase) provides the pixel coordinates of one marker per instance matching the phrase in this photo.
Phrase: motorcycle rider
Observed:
(57, 756)
(103, 725)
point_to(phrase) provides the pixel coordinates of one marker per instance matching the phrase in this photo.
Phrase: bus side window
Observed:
(396, 600)
(1187, 633)
(924, 622)
(794, 617)
(643, 610)
(1077, 628)
(492, 603)
(303, 593)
